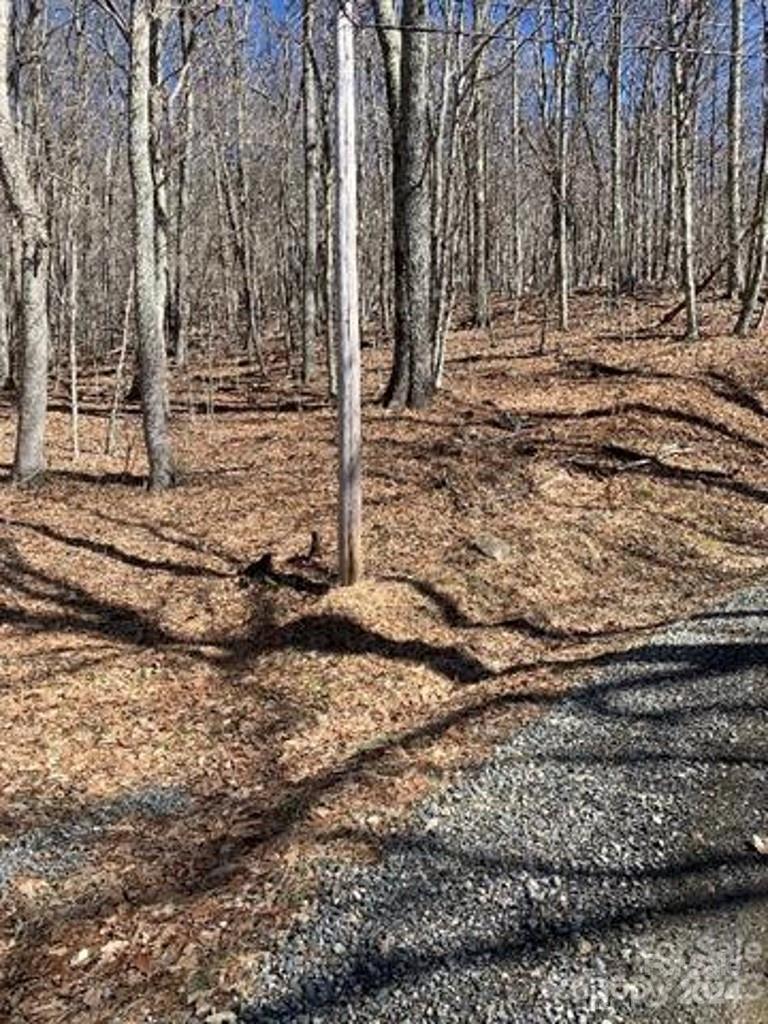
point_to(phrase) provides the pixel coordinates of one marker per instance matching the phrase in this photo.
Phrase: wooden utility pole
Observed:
(350, 495)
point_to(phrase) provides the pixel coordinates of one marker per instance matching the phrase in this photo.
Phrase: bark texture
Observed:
(29, 458)
(150, 294)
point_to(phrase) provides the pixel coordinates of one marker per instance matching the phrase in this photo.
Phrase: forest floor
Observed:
(179, 751)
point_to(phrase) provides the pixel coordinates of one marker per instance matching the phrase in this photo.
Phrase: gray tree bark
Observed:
(565, 18)
(759, 255)
(29, 459)
(617, 183)
(179, 302)
(5, 341)
(311, 193)
(411, 381)
(736, 261)
(517, 240)
(157, 120)
(481, 297)
(683, 114)
(152, 355)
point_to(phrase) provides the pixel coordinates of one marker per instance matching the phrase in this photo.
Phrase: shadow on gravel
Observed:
(672, 711)
(370, 972)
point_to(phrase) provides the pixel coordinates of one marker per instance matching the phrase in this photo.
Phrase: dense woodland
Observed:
(169, 173)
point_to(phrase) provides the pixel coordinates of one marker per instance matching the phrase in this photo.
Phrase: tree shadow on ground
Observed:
(609, 411)
(339, 634)
(707, 866)
(677, 891)
(72, 609)
(288, 805)
(453, 616)
(114, 553)
(109, 479)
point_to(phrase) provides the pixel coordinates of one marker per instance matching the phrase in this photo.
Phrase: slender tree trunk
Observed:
(330, 266)
(736, 261)
(157, 120)
(682, 105)
(149, 308)
(564, 59)
(517, 241)
(179, 304)
(311, 192)
(672, 217)
(5, 341)
(758, 263)
(74, 404)
(444, 210)
(481, 303)
(617, 183)
(117, 394)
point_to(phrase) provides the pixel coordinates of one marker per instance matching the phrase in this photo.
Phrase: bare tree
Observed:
(311, 193)
(149, 298)
(735, 262)
(683, 24)
(406, 56)
(5, 344)
(480, 286)
(178, 311)
(759, 254)
(617, 147)
(28, 213)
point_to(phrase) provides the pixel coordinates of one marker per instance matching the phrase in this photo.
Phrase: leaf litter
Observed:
(180, 751)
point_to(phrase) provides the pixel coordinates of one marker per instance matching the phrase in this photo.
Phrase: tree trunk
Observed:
(517, 241)
(758, 263)
(736, 262)
(152, 356)
(444, 209)
(157, 118)
(684, 148)
(330, 265)
(565, 22)
(311, 192)
(617, 183)
(5, 343)
(481, 301)
(117, 393)
(411, 380)
(179, 302)
(29, 462)
(74, 404)
(29, 459)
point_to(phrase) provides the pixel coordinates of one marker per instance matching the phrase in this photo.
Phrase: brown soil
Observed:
(625, 469)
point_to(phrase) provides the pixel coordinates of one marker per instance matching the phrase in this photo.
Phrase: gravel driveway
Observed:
(597, 868)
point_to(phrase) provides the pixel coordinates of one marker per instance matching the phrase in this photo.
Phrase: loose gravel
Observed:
(598, 868)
